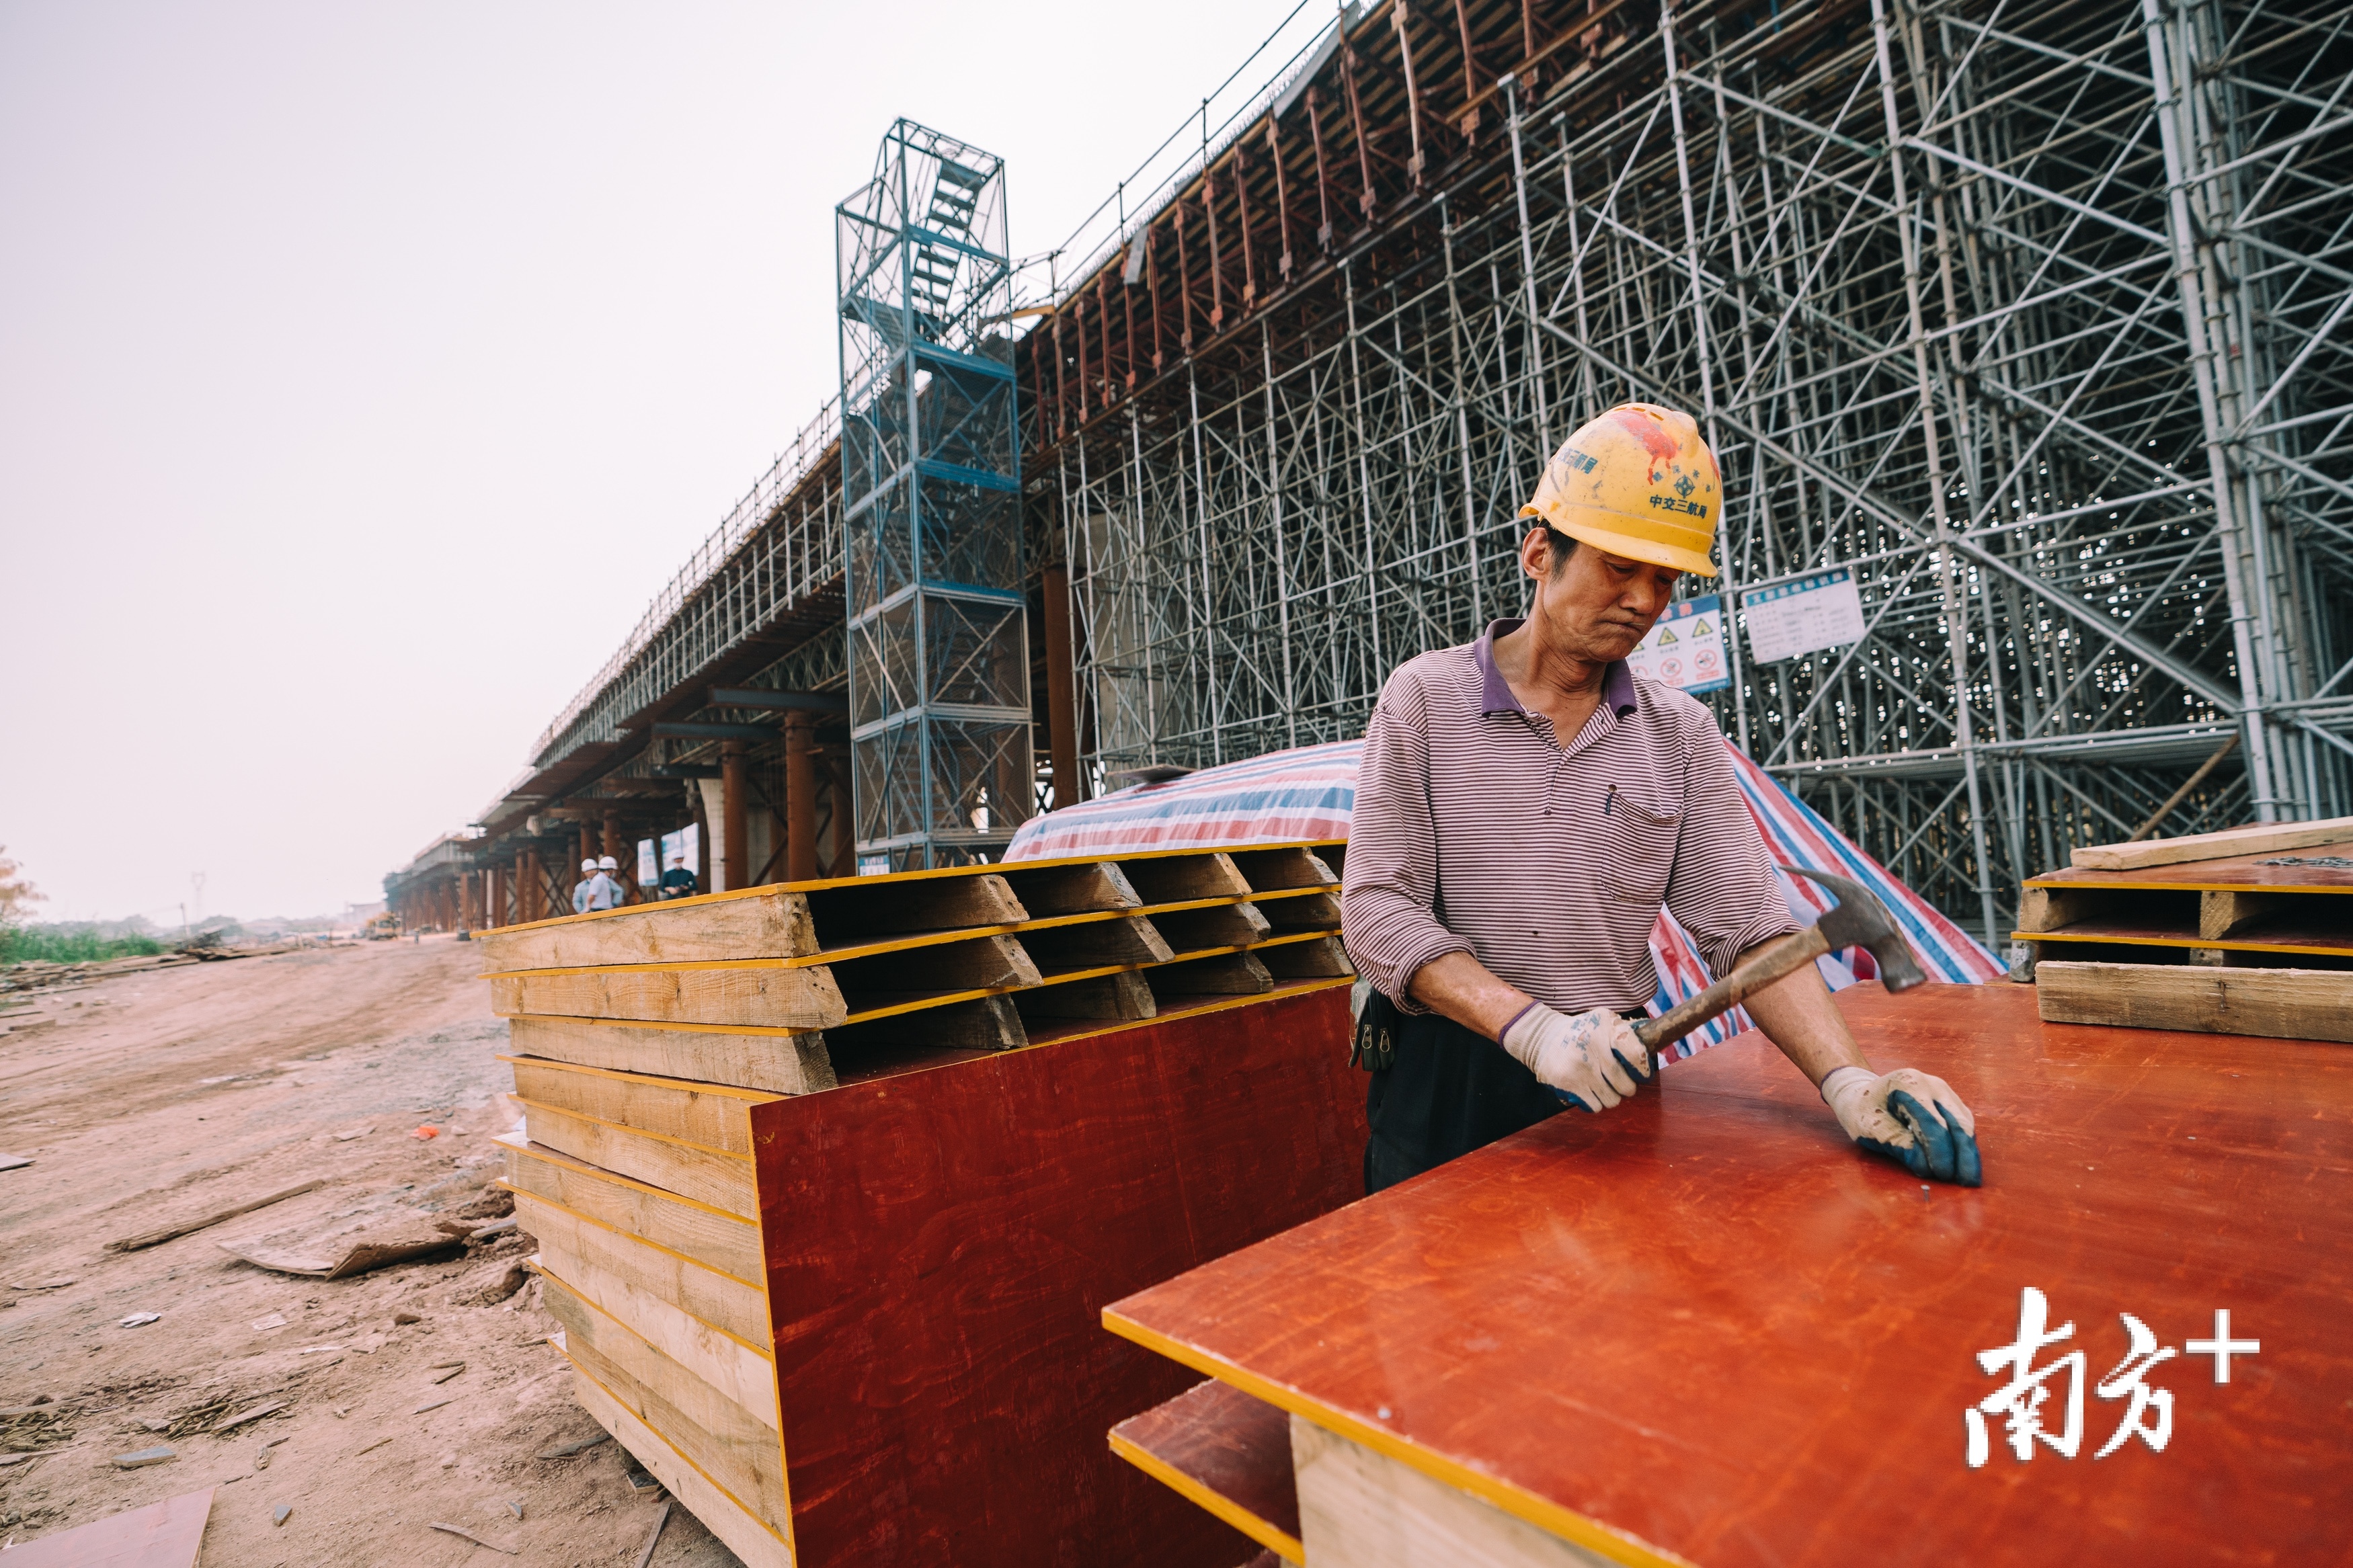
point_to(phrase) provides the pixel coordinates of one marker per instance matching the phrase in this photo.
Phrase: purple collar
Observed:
(1495, 692)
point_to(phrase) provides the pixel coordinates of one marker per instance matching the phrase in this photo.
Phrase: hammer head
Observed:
(1860, 920)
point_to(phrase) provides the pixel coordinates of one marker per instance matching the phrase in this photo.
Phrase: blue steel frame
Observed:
(939, 681)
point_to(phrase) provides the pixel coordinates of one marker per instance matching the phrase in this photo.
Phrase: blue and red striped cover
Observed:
(1308, 794)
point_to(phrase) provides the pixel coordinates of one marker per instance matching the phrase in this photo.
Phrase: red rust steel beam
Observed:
(1281, 197)
(1356, 122)
(1399, 21)
(1102, 313)
(1470, 60)
(1322, 179)
(1152, 282)
(1061, 690)
(1079, 331)
(800, 800)
(1127, 301)
(733, 812)
(1217, 260)
(1185, 278)
(1241, 202)
(1061, 419)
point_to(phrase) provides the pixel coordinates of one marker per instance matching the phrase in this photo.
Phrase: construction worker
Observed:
(678, 882)
(1525, 808)
(585, 888)
(605, 892)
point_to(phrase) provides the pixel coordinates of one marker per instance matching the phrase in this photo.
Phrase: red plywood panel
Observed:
(941, 1245)
(1703, 1321)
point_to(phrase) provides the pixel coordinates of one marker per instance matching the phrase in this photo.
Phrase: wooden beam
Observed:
(761, 992)
(765, 924)
(2261, 839)
(712, 1237)
(2278, 1003)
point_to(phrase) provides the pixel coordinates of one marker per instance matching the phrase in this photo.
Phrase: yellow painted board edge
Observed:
(726, 1091)
(1282, 1544)
(1064, 977)
(634, 1132)
(2227, 944)
(774, 1030)
(2084, 879)
(1518, 1501)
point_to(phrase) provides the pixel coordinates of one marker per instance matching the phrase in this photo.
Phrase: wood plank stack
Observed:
(830, 1178)
(2246, 931)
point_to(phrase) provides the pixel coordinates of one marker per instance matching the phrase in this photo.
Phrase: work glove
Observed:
(1912, 1118)
(1593, 1058)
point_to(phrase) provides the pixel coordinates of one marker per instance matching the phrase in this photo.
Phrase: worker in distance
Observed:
(1525, 808)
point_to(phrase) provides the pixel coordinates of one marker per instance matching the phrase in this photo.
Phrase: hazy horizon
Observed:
(364, 371)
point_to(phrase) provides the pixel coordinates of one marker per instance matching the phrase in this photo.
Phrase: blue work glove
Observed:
(1912, 1118)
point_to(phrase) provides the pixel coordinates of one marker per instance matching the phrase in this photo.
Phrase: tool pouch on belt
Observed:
(1374, 1047)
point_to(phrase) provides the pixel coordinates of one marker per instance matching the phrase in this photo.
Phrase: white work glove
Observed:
(1912, 1118)
(1593, 1058)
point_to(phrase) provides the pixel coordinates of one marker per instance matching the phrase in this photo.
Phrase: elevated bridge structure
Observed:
(2033, 320)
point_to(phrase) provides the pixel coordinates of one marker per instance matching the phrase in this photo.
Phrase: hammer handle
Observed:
(1772, 962)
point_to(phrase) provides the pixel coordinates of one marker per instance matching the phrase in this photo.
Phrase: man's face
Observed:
(1598, 605)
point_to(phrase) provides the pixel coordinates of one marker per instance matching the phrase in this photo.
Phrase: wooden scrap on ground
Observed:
(653, 1538)
(14, 1162)
(342, 1254)
(566, 1450)
(161, 1535)
(141, 1458)
(173, 1232)
(467, 1534)
(256, 1414)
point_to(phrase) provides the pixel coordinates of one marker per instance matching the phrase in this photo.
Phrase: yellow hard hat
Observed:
(1638, 482)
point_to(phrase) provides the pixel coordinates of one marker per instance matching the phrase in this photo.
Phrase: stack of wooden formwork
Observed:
(2246, 931)
(858, 1325)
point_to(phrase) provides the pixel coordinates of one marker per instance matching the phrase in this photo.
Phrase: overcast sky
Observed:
(366, 368)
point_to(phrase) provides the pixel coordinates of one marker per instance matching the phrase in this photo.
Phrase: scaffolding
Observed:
(2032, 318)
(937, 615)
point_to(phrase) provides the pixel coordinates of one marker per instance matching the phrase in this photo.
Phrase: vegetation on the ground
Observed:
(69, 944)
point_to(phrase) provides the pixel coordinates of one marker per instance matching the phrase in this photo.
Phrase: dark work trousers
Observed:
(1448, 1090)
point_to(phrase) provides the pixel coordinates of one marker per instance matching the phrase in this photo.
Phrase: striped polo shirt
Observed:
(1476, 831)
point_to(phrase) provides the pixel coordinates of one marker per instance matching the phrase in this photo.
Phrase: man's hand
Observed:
(1912, 1118)
(1593, 1058)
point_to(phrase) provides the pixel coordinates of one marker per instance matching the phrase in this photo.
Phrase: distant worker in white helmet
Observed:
(1525, 806)
(584, 889)
(604, 887)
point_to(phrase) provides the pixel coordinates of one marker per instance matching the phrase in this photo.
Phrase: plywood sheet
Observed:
(781, 1063)
(1225, 1452)
(1704, 1324)
(723, 1516)
(939, 1247)
(760, 993)
(711, 1237)
(166, 1534)
(707, 1116)
(2268, 838)
(726, 1441)
(2282, 1004)
(591, 1256)
(760, 922)
(721, 1181)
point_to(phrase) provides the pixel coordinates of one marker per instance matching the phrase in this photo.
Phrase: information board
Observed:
(1804, 616)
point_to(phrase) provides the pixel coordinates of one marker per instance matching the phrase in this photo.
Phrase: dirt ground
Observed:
(165, 1095)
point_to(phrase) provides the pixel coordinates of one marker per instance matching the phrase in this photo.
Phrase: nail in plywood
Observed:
(1123, 996)
(742, 1454)
(779, 1063)
(1174, 878)
(166, 1534)
(1227, 974)
(1358, 1509)
(1088, 887)
(1093, 943)
(1219, 925)
(767, 922)
(1323, 956)
(723, 1516)
(892, 906)
(1292, 866)
(721, 1181)
(986, 963)
(716, 1240)
(706, 1116)
(758, 993)
(2264, 838)
(1227, 1452)
(629, 1278)
(2281, 1004)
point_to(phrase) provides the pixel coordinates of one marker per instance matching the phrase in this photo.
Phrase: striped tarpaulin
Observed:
(1284, 797)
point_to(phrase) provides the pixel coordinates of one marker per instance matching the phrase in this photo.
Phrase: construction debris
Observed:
(579, 1447)
(653, 1537)
(138, 1319)
(477, 1540)
(256, 1414)
(170, 1232)
(142, 1456)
